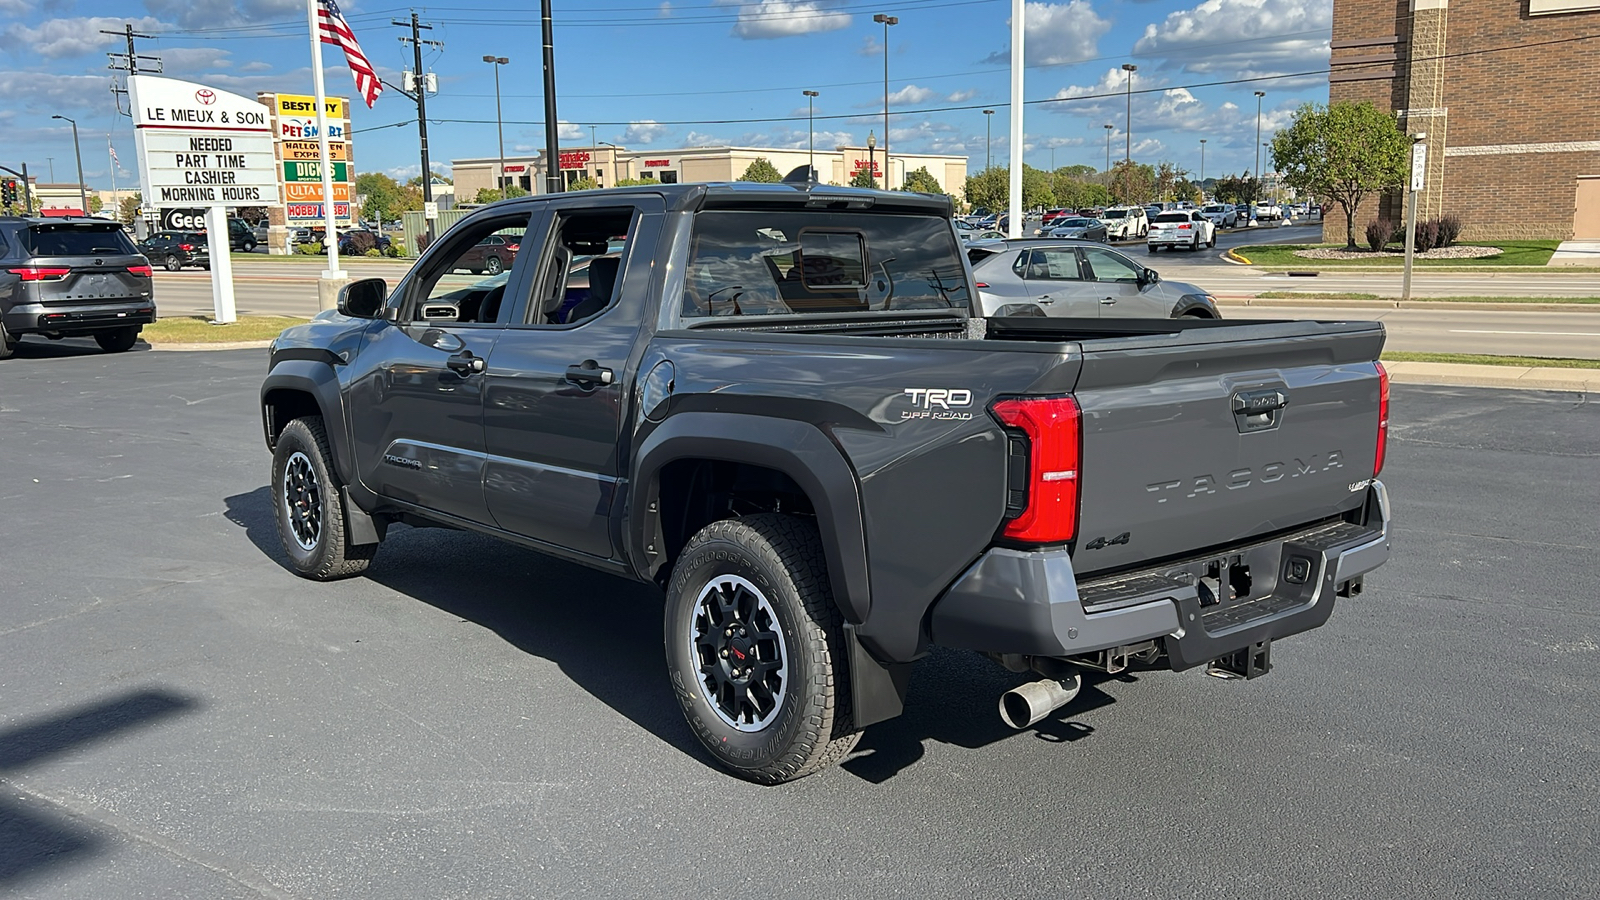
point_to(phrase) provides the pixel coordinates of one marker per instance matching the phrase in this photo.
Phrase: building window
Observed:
(648, 175)
(669, 177)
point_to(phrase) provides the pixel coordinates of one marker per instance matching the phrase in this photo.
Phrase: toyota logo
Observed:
(206, 96)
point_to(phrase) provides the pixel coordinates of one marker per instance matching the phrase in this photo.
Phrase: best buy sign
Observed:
(312, 171)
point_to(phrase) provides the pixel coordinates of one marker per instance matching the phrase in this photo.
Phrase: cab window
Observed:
(467, 282)
(582, 274)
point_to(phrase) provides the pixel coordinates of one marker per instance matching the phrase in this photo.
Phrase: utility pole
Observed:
(421, 97)
(130, 62)
(552, 129)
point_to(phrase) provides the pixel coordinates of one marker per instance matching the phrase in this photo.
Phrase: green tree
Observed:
(1132, 182)
(990, 189)
(864, 179)
(761, 170)
(1167, 177)
(1036, 188)
(637, 182)
(95, 204)
(1344, 152)
(921, 181)
(384, 197)
(583, 184)
(128, 209)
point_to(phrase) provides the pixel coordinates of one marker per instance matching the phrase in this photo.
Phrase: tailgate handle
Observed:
(1258, 410)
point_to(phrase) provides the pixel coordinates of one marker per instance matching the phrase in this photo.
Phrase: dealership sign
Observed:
(199, 146)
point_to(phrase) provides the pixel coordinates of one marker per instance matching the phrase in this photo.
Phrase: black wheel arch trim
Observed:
(316, 379)
(797, 449)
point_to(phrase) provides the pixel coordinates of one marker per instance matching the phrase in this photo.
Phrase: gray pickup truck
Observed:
(773, 402)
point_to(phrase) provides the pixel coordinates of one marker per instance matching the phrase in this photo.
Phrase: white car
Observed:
(1125, 223)
(1266, 209)
(1220, 214)
(1187, 228)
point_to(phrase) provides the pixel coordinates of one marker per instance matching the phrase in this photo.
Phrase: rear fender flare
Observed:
(798, 450)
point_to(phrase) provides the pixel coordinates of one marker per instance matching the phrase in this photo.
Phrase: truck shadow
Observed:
(559, 611)
(35, 836)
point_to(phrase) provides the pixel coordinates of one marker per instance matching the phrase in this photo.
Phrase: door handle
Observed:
(464, 363)
(1045, 298)
(589, 373)
(1108, 301)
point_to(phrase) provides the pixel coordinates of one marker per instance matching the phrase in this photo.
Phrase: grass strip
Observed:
(1474, 359)
(199, 330)
(1313, 295)
(1515, 253)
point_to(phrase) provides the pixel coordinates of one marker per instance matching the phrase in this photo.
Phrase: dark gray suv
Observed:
(69, 278)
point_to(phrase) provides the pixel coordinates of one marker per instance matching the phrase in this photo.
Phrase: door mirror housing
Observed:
(363, 299)
(1151, 276)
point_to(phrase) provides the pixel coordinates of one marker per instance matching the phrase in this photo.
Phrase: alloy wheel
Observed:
(302, 501)
(736, 641)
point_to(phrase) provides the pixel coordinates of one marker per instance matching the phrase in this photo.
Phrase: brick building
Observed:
(1507, 93)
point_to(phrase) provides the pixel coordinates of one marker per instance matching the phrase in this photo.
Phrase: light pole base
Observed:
(328, 287)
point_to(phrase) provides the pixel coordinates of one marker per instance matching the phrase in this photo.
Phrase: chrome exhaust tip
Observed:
(1024, 706)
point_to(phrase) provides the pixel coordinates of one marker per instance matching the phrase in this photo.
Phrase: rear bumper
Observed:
(78, 318)
(1031, 603)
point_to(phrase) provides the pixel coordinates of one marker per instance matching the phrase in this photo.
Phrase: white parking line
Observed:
(1554, 333)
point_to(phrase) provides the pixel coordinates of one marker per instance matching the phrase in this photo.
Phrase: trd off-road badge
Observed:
(949, 404)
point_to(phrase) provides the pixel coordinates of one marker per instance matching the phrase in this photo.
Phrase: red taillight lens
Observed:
(146, 271)
(1054, 437)
(981, 284)
(1185, 227)
(1383, 420)
(185, 247)
(513, 247)
(34, 273)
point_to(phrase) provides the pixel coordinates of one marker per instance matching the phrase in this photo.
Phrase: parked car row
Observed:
(1044, 277)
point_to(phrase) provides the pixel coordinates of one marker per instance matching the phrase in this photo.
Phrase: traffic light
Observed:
(8, 193)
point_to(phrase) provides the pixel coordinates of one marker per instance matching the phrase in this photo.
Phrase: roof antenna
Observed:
(801, 175)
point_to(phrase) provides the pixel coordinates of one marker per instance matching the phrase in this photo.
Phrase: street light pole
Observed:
(499, 123)
(886, 21)
(1257, 191)
(811, 132)
(1202, 165)
(83, 192)
(1130, 68)
(988, 132)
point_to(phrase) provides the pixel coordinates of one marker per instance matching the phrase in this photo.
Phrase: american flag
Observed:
(335, 30)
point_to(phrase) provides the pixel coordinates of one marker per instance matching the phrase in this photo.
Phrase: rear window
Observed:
(781, 262)
(77, 240)
(1173, 217)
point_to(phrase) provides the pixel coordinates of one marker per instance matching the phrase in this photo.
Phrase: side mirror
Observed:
(363, 299)
(1151, 276)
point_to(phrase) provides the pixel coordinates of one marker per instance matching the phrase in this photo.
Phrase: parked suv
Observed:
(69, 278)
(1181, 228)
(176, 249)
(241, 236)
(1125, 223)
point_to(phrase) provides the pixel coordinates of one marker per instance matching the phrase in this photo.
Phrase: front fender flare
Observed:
(318, 379)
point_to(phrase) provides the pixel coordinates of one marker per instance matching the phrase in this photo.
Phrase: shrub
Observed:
(1379, 233)
(1427, 236)
(311, 248)
(396, 249)
(1449, 230)
(357, 243)
(374, 252)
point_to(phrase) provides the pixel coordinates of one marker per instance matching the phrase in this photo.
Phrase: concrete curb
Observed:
(1519, 377)
(1313, 302)
(212, 345)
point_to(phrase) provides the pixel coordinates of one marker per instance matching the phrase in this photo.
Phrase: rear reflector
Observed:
(981, 284)
(34, 273)
(142, 270)
(1054, 438)
(1383, 420)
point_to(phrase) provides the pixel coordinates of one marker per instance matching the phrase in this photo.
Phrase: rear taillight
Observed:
(186, 247)
(1043, 500)
(35, 273)
(1185, 227)
(513, 247)
(146, 271)
(1383, 420)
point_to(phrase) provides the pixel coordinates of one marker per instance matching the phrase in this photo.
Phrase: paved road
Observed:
(181, 717)
(1519, 333)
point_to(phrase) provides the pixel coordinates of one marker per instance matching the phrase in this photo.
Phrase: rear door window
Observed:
(77, 240)
(783, 262)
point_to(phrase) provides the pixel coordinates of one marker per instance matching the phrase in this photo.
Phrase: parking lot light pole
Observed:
(1202, 165)
(83, 192)
(811, 132)
(1130, 68)
(1257, 191)
(886, 21)
(988, 132)
(499, 126)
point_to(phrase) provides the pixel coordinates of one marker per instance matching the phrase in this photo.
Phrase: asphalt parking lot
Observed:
(182, 717)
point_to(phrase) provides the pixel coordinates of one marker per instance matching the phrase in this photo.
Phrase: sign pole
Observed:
(1419, 168)
(219, 244)
(332, 278)
(1014, 227)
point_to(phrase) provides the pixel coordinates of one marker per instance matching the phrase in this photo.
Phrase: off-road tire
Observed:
(812, 727)
(118, 340)
(331, 555)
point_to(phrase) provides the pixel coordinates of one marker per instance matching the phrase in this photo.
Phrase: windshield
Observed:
(1116, 214)
(778, 262)
(77, 240)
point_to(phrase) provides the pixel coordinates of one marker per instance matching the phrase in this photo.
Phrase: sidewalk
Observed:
(1315, 303)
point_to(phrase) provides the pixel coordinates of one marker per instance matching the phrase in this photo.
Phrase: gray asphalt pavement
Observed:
(181, 717)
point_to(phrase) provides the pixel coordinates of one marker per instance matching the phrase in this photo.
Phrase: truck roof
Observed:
(726, 194)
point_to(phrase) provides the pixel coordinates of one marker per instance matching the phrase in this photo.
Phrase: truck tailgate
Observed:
(1207, 437)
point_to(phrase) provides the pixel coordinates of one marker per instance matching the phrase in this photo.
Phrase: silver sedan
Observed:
(1076, 278)
(1080, 229)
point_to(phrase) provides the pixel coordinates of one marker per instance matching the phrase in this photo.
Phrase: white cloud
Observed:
(177, 61)
(1232, 37)
(1057, 34)
(664, 11)
(645, 131)
(698, 139)
(911, 95)
(1101, 99)
(211, 13)
(567, 131)
(962, 96)
(787, 18)
(870, 47)
(58, 38)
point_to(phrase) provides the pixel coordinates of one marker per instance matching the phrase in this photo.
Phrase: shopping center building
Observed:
(607, 164)
(1507, 94)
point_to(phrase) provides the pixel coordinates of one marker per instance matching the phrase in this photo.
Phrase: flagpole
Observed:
(330, 228)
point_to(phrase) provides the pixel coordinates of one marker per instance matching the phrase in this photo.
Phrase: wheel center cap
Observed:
(741, 653)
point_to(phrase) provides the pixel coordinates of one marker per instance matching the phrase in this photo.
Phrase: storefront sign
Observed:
(341, 211)
(860, 164)
(308, 150)
(311, 191)
(305, 106)
(575, 159)
(183, 219)
(512, 170)
(306, 129)
(657, 163)
(312, 171)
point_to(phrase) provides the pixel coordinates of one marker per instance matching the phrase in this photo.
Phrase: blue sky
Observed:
(681, 73)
